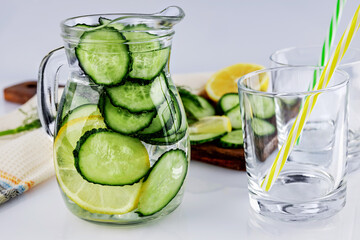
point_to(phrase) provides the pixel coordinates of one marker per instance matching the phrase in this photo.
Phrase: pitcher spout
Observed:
(170, 15)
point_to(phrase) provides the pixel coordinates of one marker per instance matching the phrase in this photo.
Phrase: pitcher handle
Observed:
(47, 89)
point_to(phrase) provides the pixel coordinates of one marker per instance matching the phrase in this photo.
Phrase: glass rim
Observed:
(177, 17)
(243, 88)
(288, 49)
(163, 22)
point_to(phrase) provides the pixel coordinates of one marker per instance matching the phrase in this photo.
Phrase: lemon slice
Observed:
(211, 124)
(225, 80)
(92, 197)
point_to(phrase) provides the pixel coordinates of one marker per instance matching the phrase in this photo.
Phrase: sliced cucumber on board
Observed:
(233, 139)
(109, 158)
(235, 117)
(195, 106)
(290, 101)
(262, 128)
(262, 107)
(205, 137)
(227, 102)
(185, 93)
(164, 181)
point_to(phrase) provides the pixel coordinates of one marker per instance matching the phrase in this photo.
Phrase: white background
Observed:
(214, 34)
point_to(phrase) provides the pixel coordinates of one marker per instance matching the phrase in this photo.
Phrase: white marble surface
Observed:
(214, 34)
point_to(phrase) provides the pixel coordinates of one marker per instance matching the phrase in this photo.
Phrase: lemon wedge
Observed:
(211, 124)
(225, 80)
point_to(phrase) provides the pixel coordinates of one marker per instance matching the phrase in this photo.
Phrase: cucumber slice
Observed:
(168, 140)
(81, 111)
(104, 21)
(290, 101)
(164, 181)
(162, 120)
(95, 198)
(227, 102)
(147, 65)
(148, 59)
(262, 128)
(80, 29)
(197, 109)
(138, 28)
(263, 107)
(205, 137)
(140, 39)
(102, 56)
(184, 93)
(116, 25)
(121, 120)
(177, 117)
(137, 97)
(233, 139)
(235, 117)
(85, 26)
(109, 158)
(173, 133)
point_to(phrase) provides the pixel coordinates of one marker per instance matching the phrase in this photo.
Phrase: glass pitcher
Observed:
(121, 148)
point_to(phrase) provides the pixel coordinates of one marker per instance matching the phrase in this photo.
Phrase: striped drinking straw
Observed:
(329, 41)
(310, 101)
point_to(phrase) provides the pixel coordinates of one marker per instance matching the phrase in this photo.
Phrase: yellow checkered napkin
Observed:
(25, 152)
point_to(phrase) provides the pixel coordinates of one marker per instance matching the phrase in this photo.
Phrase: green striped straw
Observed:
(328, 43)
(304, 114)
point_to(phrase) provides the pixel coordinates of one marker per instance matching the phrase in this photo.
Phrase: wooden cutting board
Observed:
(20, 93)
(208, 152)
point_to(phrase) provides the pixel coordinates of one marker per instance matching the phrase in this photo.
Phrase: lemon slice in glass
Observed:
(95, 198)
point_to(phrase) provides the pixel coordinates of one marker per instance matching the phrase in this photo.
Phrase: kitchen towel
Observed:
(25, 151)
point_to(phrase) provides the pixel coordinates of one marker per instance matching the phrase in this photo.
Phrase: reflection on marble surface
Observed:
(331, 228)
(343, 226)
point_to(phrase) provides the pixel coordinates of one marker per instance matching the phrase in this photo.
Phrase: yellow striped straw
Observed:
(310, 101)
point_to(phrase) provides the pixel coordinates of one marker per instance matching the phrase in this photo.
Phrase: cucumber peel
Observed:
(108, 158)
(138, 97)
(163, 182)
(103, 56)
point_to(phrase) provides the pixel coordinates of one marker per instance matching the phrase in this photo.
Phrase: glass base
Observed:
(123, 219)
(297, 196)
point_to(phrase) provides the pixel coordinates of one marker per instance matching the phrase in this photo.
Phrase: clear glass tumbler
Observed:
(309, 56)
(311, 184)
